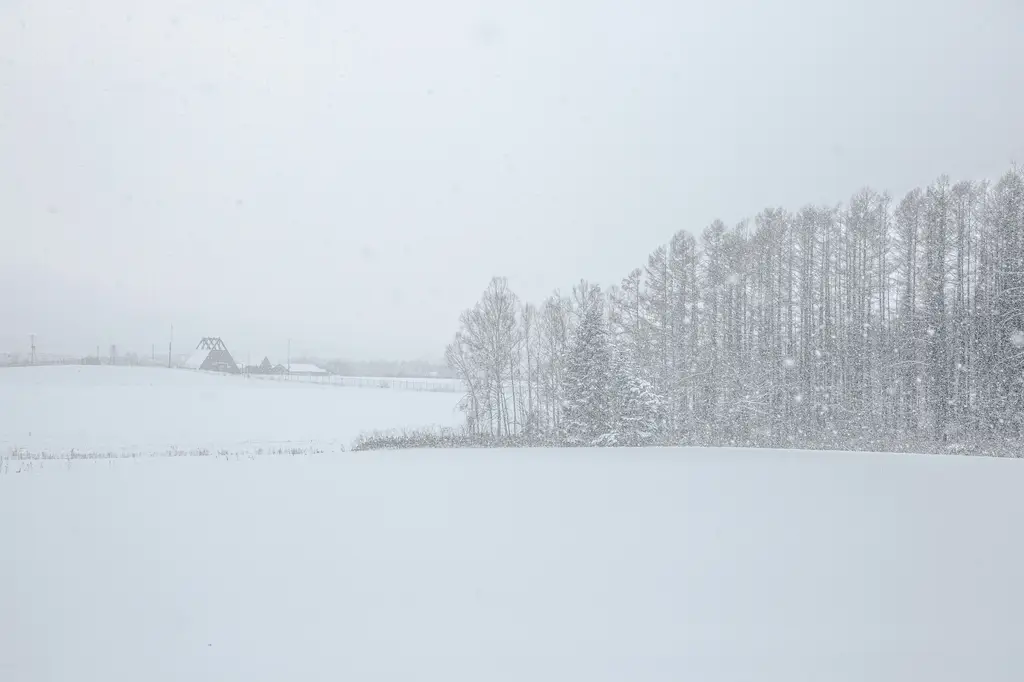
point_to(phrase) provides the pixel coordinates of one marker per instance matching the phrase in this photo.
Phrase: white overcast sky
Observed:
(350, 175)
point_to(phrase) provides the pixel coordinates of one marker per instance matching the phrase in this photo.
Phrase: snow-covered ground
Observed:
(146, 410)
(513, 565)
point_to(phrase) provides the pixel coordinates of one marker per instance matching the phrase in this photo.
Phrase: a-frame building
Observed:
(212, 355)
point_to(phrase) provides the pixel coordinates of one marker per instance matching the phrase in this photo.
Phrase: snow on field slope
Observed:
(150, 410)
(514, 565)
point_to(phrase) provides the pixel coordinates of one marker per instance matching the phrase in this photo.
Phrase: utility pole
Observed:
(32, 341)
(170, 344)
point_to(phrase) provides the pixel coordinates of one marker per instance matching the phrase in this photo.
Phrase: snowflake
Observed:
(789, 362)
(1017, 338)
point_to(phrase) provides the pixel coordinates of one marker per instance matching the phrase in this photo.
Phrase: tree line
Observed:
(872, 325)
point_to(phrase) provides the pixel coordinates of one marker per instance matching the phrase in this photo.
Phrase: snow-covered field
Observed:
(513, 565)
(147, 410)
(401, 384)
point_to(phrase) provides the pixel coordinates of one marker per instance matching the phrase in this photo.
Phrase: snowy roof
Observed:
(196, 360)
(297, 367)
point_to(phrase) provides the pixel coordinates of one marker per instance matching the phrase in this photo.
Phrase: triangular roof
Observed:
(212, 355)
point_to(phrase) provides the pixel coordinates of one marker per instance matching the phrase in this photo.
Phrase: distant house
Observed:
(304, 370)
(263, 368)
(212, 355)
